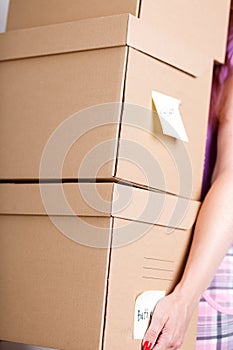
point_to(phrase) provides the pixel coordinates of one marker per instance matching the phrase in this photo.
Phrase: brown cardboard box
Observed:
(66, 279)
(202, 23)
(110, 64)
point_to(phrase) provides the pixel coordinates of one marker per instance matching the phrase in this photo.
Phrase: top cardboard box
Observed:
(201, 23)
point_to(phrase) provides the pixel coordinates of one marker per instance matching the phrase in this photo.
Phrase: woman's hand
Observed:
(169, 323)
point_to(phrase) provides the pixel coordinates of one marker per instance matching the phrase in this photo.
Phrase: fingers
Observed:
(152, 334)
(162, 335)
(168, 325)
(166, 341)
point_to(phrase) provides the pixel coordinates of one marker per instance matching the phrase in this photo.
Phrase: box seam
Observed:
(104, 315)
(164, 61)
(65, 52)
(139, 9)
(121, 115)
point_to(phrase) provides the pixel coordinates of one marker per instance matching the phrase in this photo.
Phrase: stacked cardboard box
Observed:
(201, 23)
(83, 100)
(72, 283)
(101, 85)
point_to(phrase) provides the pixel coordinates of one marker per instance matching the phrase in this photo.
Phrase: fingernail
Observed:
(147, 346)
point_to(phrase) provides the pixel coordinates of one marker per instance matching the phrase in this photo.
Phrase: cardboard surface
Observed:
(144, 266)
(202, 24)
(98, 200)
(102, 32)
(66, 37)
(48, 87)
(32, 13)
(160, 155)
(62, 290)
(50, 285)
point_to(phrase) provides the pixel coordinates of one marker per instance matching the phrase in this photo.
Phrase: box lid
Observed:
(102, 32)
(203, 23)
(99, 200)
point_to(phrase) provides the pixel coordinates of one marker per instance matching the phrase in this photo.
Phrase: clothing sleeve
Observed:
(227, 68)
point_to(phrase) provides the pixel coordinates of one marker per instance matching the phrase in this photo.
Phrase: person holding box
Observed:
(210, 261)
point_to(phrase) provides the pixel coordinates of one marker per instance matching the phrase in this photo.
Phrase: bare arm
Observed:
(212, 238)
(214, 229)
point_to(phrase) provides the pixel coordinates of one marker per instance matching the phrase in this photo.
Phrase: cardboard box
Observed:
(76, 275)
(203, 24)
(111, 66)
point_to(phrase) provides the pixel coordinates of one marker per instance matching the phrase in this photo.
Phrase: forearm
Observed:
(213, 236)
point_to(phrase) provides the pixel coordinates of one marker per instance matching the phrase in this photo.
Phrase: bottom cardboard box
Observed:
(71, 280)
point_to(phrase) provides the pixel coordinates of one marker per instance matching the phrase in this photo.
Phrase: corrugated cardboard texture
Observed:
(111, 31)
(27, 199)
(138, 267)
(32, 13)
(99, 200)
(201, 23)
(148, 74)
(53, 291)
(47, 90)
(66, 37)
(52, 89)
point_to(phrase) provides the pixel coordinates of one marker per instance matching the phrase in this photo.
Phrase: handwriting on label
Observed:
(144, 306)
(168, 111)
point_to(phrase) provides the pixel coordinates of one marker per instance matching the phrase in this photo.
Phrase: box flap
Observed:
(102, 32)
(165, 47)
(154, 207)
(98, 199)
(84, 199)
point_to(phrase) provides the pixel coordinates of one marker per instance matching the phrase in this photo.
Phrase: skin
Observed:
(213, 234)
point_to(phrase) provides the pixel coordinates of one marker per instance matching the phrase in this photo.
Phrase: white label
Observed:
(167, 108)
(144, 306)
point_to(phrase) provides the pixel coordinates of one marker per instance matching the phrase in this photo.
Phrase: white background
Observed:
(3, 14)
(10, 346)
